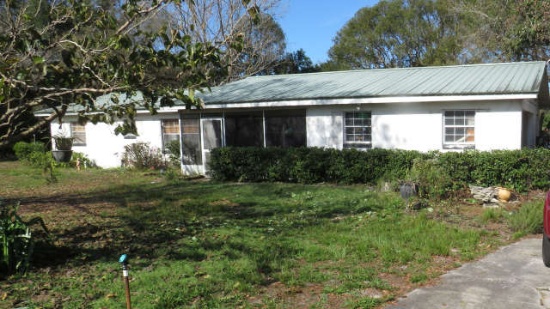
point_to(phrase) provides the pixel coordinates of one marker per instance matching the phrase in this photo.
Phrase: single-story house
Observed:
(447, 108)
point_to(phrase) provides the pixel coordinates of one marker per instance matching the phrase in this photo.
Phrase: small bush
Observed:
(173, 148)
(35, 154)
(24, 150)
(142, 156)
(527, 220)
(432, 180)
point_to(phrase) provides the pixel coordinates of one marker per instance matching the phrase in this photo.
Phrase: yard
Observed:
(202, 244)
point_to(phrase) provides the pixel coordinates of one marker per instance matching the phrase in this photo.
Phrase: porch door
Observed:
(212, 137)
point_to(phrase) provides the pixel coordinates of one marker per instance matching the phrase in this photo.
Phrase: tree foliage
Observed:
(294, 63)
(407, 33)
(222, 21)
(508, 30)
(397, 34)
(56, 53)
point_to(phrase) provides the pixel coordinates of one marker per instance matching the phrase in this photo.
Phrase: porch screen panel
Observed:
(212, 129)
(285, 128)
(191, 140)
(244, 129)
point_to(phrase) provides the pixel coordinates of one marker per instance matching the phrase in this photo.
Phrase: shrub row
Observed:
(309, 165)
(520, 170)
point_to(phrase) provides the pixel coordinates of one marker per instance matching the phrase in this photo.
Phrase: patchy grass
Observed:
(201, 244)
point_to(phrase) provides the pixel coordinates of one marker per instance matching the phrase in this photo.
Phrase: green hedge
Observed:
(309, 165)
(520, 170)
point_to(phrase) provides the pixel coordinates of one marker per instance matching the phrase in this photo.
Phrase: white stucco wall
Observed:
(106, 148)
(410, 126)
(324, 128)
(419, 126)
(407, 126)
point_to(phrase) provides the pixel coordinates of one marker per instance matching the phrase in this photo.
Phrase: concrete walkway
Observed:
(512, 277)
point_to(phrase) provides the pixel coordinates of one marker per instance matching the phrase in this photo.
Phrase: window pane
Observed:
(78, 133)
(357, 130)
(470, 135)
(171, 126)
(470, 120)
(459, 128)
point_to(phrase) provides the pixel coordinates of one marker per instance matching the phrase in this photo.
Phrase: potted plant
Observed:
(63, 148)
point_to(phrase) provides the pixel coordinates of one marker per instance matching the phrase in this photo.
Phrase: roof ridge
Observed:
(396, 69)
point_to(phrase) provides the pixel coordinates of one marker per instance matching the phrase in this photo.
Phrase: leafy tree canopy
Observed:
(56, 53)
(220, 21)
(406, 33)
(293, 63)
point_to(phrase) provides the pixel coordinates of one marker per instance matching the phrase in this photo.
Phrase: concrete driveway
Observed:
(512, 277)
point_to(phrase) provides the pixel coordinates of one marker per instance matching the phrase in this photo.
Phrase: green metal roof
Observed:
(480, 79)
(461, 80)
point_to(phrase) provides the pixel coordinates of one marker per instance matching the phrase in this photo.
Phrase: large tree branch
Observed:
(142, 12)
(7, 140)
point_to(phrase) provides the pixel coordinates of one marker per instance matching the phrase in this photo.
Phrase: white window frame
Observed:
(360, 140)
(462, 123)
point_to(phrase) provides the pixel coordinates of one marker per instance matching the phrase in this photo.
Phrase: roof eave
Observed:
(372, 100)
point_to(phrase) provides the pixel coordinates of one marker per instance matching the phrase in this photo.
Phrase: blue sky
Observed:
(312, 24)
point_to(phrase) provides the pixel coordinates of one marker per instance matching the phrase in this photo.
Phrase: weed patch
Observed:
(204, 244)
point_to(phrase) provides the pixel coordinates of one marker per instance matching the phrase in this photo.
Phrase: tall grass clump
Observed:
(15, 239)
(527, 220)
(493, 215)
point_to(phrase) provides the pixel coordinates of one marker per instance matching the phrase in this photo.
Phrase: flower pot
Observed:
(503, 194)
(62, 155)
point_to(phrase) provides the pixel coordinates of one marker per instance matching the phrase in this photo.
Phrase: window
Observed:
(170, 131)
(78, 133)
(191, 139)
(358, 130)
(459, 129)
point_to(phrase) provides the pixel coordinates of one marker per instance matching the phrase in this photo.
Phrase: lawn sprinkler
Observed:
(124, 261)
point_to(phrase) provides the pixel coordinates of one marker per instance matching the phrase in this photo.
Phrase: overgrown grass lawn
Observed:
(200, 244)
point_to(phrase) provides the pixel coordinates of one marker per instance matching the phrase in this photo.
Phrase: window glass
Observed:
(459, 129)
(358, 130)
(170, 131)
(78, 133)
